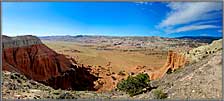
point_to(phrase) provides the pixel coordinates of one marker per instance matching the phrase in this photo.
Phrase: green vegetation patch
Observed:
(159, 94)
(134, 84)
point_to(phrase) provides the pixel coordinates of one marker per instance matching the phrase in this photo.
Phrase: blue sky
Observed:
(166, 19)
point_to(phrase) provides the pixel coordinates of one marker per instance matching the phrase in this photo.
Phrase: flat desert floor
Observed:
(116, 58)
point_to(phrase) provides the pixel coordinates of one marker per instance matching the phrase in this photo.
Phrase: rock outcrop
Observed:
(29, 56)
(19, 41)
(198, 53)
(201, 79)
(174, 61)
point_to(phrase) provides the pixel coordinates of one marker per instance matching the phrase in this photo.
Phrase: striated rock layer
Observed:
(174, 61)
(28, 56)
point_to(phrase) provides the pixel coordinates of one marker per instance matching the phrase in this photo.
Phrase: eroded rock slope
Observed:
(201, 79)
(29, 56)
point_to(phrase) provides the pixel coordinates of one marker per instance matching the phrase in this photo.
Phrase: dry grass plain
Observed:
(118, 60)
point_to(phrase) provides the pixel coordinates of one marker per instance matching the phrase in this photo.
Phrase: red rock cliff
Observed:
(28, 56)
(174, 61)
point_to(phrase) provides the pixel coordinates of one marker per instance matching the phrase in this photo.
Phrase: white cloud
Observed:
(182, 12)
(185, 14)
(207, 22)
(190, 28)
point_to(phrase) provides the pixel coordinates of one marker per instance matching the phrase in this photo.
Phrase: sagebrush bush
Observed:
(134, 84)
(159, 94)
(169, 71)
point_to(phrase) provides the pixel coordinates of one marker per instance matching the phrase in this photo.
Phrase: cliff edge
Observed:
(29, 56)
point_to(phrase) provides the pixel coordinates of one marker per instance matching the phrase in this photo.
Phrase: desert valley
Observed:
(129, 50)
(95, 66)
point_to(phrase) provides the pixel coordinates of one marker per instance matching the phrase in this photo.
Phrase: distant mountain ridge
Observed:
(182, 37)
(78, 36)
(201, 39)
(204, 39)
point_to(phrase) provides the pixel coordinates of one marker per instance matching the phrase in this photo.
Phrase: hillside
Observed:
(202, 80)
(197, 80)
(17, 86)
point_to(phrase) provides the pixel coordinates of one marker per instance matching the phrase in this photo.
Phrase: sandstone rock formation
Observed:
(28, 56)
(107, 80)
(198, 53)
(174, 61)
(177, 60)
(198, 80)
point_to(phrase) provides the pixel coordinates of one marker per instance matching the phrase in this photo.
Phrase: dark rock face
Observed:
(30, 57)
(74, 79)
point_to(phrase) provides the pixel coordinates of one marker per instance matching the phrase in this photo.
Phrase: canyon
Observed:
(72, 65)
(29, 56)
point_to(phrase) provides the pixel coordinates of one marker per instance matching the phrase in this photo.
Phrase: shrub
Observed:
(66, 96)
(178, 70)
(169, 71)
(134, 84)
(159, 94)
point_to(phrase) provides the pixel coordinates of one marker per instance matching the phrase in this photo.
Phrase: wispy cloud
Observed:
(204, 34)
(143, 3)
(207, 22)
(220, 31)
(184, 13)
(191, 28)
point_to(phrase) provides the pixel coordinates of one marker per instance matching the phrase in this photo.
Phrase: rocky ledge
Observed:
(19, 41)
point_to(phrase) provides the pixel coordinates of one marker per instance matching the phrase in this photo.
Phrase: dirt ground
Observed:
(115, 58)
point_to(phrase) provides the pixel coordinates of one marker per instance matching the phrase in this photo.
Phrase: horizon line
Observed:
(114, 36)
